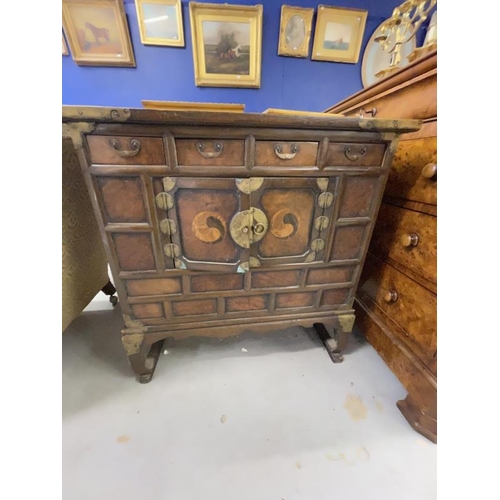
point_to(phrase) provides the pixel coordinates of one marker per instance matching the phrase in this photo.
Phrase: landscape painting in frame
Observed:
(295, 31)
(226, 44)
(97, 32)
(338, 35)
(160, 22)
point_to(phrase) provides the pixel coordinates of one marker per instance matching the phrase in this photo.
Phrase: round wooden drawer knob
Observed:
(390, 296)
(430, 171)
(409, 240)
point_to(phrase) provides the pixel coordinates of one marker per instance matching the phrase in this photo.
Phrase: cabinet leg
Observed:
(110, 290)
(424, 423)
(336, 342)
(142, 357)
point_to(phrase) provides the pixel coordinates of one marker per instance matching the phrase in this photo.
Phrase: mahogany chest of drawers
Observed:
(216, 223)
(397, 297)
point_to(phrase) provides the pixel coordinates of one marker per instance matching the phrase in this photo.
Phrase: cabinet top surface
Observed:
(201, 118)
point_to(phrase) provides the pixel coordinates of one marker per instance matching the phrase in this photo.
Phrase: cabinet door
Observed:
(297, 220)
(194, 218)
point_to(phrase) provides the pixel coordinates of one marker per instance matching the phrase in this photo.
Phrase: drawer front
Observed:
(286, 154)
(418, 101)
(354, 154)
(408, 237)
(406, 302)
(123, 150)
(210, 152)
(413, 175)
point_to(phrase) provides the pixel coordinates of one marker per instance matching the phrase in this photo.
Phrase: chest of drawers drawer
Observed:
(411, 306)
(413, 174)
(210, 152)
(409, 238)
(126, 150)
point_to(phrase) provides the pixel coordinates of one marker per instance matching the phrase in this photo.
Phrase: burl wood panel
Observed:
(330, 275)
(147, 311)
(290, 213)
(358, 196)
(415, 306)
(266, 156)
(216, 282)
(334, 297)
(151, 150)
(253, 303)
(274, 279)
(194, 307)
(359, 155)
(157, 286)
(393, 223)
(347, 242)
(290, 300)
(232, 154)
(204, 217)
(405, 177)
(123, 199)
(411, 372)
(134, 251)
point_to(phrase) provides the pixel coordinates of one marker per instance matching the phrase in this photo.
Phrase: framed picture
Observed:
(97, 32)
(338, 34)
(227, 44)
(160, 22)
(64, 47)
(295, 31)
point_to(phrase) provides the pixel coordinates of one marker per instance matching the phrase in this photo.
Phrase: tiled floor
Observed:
(250, 418)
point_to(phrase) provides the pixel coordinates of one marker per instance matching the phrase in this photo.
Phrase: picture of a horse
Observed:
(97, 29)
(227, 47)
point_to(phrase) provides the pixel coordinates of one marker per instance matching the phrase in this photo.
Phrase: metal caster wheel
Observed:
(114, 300)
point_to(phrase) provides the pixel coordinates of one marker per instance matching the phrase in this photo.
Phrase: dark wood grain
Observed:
(123, 199)
(265, 154)
(194, 307)
(358, 196)
(347, 242)
(273, 279)
(253, 303)
(330, 275)
(216, 282)
(134, 251)
(151, 150)
(144, 311)
(233, 152)
(153, 286)
(292, 300)
(355, 154)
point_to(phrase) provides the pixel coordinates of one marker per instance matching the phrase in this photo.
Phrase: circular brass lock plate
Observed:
(248, 226)
(260, 225)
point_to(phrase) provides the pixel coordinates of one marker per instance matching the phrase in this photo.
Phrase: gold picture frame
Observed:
(295, 31)
(97, 32)
(160, 22)
(338, 34)
(227, 44)
(65, 51)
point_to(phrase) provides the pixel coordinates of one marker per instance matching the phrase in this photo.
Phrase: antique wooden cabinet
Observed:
(216, 223)
(397, 297)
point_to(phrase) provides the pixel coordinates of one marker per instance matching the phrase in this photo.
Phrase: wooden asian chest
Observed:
(396, 302)
(216, 223)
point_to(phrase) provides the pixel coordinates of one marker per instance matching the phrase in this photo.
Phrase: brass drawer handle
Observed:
(217, 147)
(409, 240)
(126, 153)
(372, 112)
(353, 156)
(278, 149)
(430, 171)
(390, 296)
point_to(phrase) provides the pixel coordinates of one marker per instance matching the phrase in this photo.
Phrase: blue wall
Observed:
(167, 73)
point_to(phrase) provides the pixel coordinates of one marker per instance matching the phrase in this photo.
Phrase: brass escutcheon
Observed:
(321, 222)
(168, 226)
(248, 227)
(172, 250)
(164, 201)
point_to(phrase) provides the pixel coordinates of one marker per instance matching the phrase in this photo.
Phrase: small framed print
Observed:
(160, 22)
(295, 31)
(64, 47)
(338, 34)
(97, 32)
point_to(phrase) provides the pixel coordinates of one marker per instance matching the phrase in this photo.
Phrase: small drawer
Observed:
(122, 150)
(413, 174)
(408, 237)
(210, 152)
(407, 303)
(286, 154)
(354, 154)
